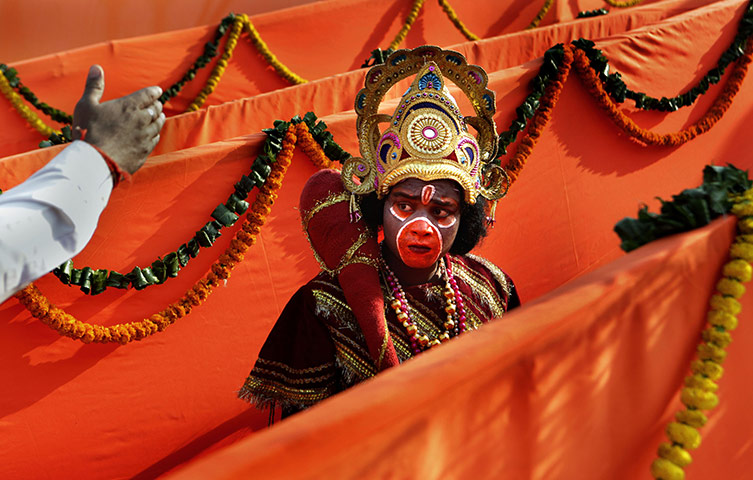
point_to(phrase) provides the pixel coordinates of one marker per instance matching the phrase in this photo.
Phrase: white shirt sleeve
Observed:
(51, 216)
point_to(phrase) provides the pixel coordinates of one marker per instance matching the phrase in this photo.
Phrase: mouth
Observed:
(419, 249)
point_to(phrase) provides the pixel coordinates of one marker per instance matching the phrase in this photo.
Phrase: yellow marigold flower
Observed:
(677, 455)
(720, 339)
(744, 209)
(731, 287)
(694, 418)
(663, 469)
(744, 238)
(739, 269)
(722, 319)
(710, 369)
(88, 336)
(684, 435)
(745, 224)
(709, 351)
(696, 398)
(700, 382)
(742, 250)
(725, 304)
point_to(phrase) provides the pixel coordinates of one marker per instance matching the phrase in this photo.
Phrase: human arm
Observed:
(51, 216)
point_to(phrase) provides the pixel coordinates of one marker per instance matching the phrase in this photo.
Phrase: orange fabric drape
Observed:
(47, 26)
(110, 411)
(77, 23)
(579, 384)
(133, 63)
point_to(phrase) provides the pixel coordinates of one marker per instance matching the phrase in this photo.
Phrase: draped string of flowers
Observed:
(315, 141)
(232, 23)
(281, 69)
(407, 24)
(612, 84)
(623, 4)
(11, 76)
(450, 12)
(609, 90)
(625, 123)
(724, 190)
(540, 15)
(219, 67)
(25, 112)
(66, 324)
(699, 391)
(379, 55)
(535, 112)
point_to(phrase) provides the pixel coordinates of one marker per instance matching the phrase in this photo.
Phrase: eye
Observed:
(404, 207)
(440, 212)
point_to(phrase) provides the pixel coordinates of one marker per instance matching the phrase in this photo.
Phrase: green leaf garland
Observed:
(12, 76)
(615, 86)
(94, 281)
(210, 51)
(692, 208)
(593, 13)
(551, 63)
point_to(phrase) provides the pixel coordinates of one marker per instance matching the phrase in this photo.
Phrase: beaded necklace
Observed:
(455, 323)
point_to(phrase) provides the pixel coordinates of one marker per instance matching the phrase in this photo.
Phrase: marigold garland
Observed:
(65, 324)
(456, 21)
(210, 51)
(542, 116)
(625, 4)
(27, 114)
(699, 392)
(55, 114)
(540, 16)
(311, 148)
(219, 68)
(412, 15)
(314, 140)
(723, 101)
(270, 57)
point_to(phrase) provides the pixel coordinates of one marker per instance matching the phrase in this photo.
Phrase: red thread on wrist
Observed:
(118, 174)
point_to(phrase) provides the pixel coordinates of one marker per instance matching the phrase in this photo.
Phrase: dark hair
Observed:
(470, 232)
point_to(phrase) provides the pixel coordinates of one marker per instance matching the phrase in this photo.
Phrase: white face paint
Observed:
(427, 193)
(446, 222)
(407, 238)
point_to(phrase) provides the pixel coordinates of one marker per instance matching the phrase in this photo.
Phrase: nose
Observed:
(420, 228)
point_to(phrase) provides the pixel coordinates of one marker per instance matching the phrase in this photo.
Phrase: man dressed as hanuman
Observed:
(428, 187)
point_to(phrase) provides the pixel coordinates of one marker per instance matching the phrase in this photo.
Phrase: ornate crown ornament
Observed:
(427, 137)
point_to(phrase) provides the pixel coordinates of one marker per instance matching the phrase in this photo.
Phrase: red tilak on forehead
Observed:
(427, 193)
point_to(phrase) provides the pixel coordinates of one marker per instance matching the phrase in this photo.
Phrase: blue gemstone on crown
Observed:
(430, 80)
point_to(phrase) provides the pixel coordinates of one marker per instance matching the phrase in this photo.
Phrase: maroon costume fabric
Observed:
(332, 234)
(317, 348)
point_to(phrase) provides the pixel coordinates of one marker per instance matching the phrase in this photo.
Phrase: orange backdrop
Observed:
(333, 33)
(620, 337)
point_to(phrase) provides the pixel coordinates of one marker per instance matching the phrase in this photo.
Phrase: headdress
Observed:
(427, 137)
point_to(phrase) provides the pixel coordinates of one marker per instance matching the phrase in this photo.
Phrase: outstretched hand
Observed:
(126, 129)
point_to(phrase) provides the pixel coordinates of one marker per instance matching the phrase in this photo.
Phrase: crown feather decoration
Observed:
(427, 136)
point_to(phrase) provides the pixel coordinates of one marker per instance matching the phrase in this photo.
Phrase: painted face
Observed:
(421, 220)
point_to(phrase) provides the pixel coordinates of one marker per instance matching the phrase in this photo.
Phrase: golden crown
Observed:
(427, 137)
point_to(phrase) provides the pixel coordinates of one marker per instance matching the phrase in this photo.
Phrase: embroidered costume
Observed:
(317, 349)
(355, 319)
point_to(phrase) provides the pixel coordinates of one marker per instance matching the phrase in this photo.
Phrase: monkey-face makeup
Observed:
(421, 220)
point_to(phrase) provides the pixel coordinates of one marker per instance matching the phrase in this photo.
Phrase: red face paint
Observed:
(427, 193)
(419, 243)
